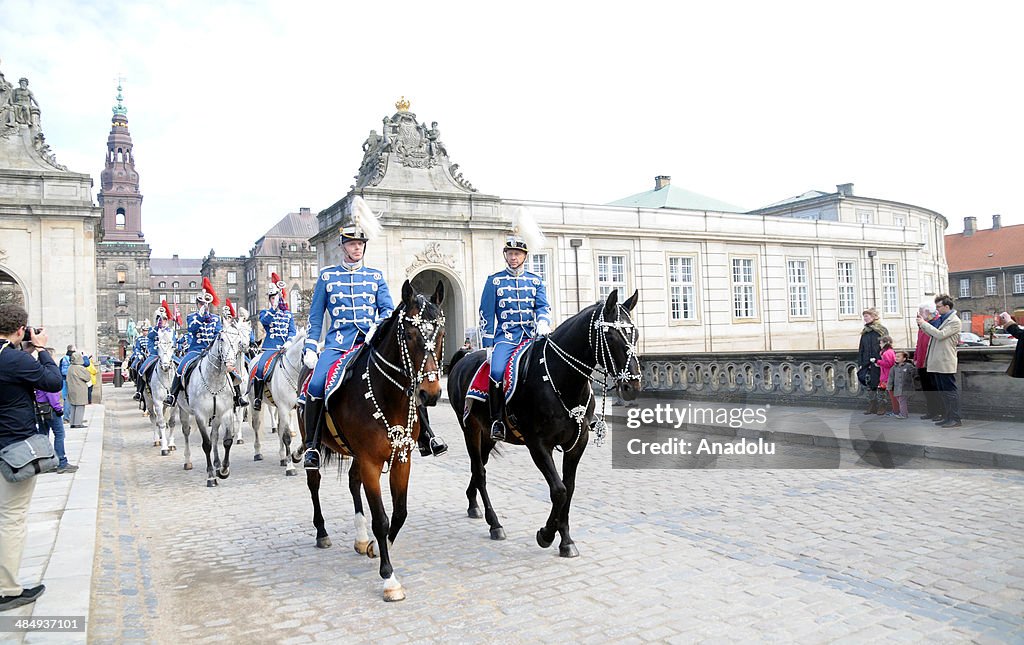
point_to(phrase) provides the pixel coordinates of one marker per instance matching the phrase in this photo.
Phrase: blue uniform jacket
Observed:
(352, 299)
(511, 306)
(203, 330)
(279, 325)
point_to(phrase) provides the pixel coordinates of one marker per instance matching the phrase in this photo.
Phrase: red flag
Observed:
(177, 316)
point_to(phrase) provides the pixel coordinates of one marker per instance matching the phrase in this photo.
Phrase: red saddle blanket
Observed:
(481, 380)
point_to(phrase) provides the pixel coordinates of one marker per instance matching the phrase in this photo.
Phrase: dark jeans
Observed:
(56, 424)
(946, 386)
(932, 399)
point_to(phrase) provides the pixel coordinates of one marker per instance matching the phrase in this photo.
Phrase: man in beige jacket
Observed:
(941, 361)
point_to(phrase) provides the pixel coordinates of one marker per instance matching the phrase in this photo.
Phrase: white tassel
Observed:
(364, 219)
(526, 227)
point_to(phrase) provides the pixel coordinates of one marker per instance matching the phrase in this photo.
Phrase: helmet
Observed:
(516, 243)
(276, 286)
(229, 309)
(363, 226)
(207, 295)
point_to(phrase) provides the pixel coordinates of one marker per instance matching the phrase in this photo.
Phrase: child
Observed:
(901, 383)
(885, 364)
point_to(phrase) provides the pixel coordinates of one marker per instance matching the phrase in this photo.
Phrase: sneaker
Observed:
(67, 468)
(27, 596)
(892, 414)
(902, 416)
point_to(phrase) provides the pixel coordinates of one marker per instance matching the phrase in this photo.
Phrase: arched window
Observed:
(296, 300)
(119, 219)
(162, 284)
(192, 285)
(120, 155)
(175, 285)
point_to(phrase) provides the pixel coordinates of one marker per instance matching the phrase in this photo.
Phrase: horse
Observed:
(282, 389)
(208, 397)
(553, 406)
(373, 418)
(239, 331)
(159, 383)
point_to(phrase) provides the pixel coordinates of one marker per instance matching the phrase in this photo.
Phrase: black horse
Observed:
(553, 406)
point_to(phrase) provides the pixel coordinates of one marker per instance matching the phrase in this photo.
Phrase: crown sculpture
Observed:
(402, 105)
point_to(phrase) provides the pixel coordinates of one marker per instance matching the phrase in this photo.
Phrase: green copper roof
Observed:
(120, 108)
(674, 197)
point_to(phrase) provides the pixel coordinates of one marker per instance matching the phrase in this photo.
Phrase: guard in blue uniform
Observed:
(230, 318)
(161, 321)
(354, 298)
(203, 328)
(279, 325)
(513, 306)
(138, 348)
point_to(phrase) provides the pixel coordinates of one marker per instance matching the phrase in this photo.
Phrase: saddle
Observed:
(516, 371)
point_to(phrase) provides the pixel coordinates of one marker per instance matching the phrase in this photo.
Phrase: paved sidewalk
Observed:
(61, 540)
(990, 444)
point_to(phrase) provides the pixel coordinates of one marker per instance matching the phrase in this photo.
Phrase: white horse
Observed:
(209, 399)
(282, 391)
(162, 417)
(240, 332)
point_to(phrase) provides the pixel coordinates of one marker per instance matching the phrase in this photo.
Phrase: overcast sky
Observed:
(243, 112)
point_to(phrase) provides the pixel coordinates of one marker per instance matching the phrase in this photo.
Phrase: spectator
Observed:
(78, 389)
(932, 400)
(90, 365)
(868, 354)
(901, 384)
(1016, 369)
(885, 363)
(942, 361)
(20, 375)
(50, 416)
(65, 363)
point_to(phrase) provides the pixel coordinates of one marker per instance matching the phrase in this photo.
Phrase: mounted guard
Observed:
(279, 327)
(514, 310)
(162, 321)
(138, 351)
(203, 327)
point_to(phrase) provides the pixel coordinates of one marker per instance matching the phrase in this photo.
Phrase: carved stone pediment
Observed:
(432, 254)
(22, 144)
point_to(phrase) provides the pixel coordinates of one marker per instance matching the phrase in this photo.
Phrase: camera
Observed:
(33, 330)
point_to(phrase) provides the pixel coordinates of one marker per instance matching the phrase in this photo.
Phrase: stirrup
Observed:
(137, 396)
(311, 459)
(170, 399)
(497, 430)
(240, 401)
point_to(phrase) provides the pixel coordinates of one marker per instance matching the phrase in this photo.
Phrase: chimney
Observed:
(997, 222)
(844, 190)
(970, 226)
(303, 210)
(661, 181)
(175, 256)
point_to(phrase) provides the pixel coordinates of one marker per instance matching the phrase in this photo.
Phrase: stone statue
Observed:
(372, 142)
(434, 145)
(26, 108)
(6, 103)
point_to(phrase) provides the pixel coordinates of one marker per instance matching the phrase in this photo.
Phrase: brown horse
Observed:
(373, 418)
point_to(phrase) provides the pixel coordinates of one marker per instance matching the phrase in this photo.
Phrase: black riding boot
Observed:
(314, 410)
(496, 399)
(429, 443)
(240, 401)
(257, 394)
(140, 385)
(172, 396)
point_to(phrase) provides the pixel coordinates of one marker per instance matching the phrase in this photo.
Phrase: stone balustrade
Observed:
(822, 379)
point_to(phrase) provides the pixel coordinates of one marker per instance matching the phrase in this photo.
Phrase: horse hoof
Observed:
(568, 551)
(284, 462)
(394, 595)
(541, 541)
(211, 483)
(223, 474)
(156, 443)
(474, 512)
(323, 543)
(257, 457)
(371, 550)
(172, 447)
(188, 466)
(164, 453)
(239, 441)
(497, 533)
(361, 547)
(289, 473)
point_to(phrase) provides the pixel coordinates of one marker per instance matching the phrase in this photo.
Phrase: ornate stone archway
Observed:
(425, 281)
(11, 289)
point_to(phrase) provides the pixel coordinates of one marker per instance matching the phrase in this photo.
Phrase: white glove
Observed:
(371, 332)
(490, 350)
(543, 328)
(309, 358)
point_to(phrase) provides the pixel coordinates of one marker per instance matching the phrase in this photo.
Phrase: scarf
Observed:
(876, 327)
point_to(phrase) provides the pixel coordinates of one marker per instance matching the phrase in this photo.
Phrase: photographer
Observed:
(20, 376)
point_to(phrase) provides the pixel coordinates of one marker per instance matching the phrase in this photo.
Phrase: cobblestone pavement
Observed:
(666, 555)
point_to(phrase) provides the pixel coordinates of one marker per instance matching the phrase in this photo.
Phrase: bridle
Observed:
(401, 439)
(598, 330)
(165, 342)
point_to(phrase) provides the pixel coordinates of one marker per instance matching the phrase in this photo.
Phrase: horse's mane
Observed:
(299, 336)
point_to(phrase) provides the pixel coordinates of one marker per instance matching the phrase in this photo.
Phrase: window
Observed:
(192, 285)
(538, 263)
(122, 325)
(296, 300)
(890, 289)
(990, 285)
(122, 298)
(1018, 283)
(743, 305)
(863, 216)
(292, 247)
(162, 284)
(965, 287)
(796, 272)
(681, 301)
(965, 318)
(899, 220)
(846, 284)
(312, 248)
(611, 274)
(122, 277)
(271, 268)
(924, 234)
(119, 219)
(163, 296)
(177, 297)
(313, 272)
(296, 270)
(232, 277)
(175, 285)
(231, 291)
(929, 288)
